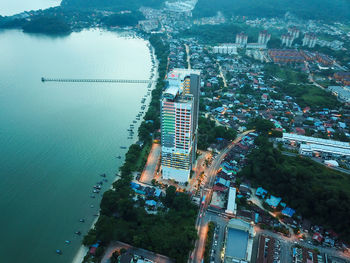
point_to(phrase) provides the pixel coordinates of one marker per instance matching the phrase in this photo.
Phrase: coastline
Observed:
(83, 250)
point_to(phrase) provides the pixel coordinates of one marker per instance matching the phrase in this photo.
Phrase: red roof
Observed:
(318, 237)
(93, 250)
(219, 188)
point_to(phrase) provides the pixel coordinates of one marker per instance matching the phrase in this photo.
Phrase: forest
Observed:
(315, 191)
(308, 9)
(208, 133)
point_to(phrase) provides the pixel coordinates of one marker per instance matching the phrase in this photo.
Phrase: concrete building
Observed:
(311, 146)
(241, 39)
(294, 32)
(225, 49)
(309, 40)
(179, 121)
(231, 204)
(264, 37)
(238, 241)
(287, 40)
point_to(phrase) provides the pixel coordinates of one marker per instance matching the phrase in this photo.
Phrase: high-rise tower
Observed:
(179, 122)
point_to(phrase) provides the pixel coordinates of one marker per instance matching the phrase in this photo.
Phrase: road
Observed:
(151, 165)
(201, 223)
(318, 160)
(222, 75)
(114, 246)
(188, 56)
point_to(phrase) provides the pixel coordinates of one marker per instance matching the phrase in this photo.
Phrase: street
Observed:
(202, 218)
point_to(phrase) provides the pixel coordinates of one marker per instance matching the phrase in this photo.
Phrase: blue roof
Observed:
(288, 212)
(158, 192)
(134, 185)
(273, 201)
(151, 203)
(261, 192)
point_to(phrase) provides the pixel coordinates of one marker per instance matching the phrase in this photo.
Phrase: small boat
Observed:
(92, 196)
(82, 220)
(59, 251)
(67, 241)
(105, 180)
(77, 233)
(92, 206)
(96, 214)
(119, 157)
(122, 147)
(96, 191)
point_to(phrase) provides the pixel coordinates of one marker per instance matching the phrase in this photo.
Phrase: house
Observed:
(273, 201)
(288, 212)
(261, 192)
(317, 237)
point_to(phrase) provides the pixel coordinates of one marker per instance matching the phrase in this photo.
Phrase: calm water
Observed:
(57, 138)
(11, 7)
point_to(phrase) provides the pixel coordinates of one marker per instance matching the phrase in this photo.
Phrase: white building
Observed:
(231, 204)
(226, 49)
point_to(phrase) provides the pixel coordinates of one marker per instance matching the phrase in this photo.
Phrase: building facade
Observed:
(179, 121)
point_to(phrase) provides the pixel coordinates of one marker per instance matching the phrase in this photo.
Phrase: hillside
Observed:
(111, 4)
(308, 9)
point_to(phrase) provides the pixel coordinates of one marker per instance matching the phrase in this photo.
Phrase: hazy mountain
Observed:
(112, 4)
(309, 9)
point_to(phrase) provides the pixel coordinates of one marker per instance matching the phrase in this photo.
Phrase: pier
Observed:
(97, 80)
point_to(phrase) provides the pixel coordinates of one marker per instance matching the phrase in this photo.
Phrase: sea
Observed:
(58, 138)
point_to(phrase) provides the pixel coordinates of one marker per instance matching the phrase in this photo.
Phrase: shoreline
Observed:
(83, 250)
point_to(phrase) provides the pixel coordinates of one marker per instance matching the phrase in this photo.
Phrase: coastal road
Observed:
(152, 162)
(114, 246)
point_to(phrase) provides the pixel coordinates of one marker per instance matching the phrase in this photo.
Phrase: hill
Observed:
(111, 4)
(307, 9)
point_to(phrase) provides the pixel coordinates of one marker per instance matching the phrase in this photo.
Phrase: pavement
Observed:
(114, 246)
(151, 165)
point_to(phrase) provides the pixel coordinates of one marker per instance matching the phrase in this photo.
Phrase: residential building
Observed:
(241, 39)
(179, 121)
(309, 40)
(264, 37)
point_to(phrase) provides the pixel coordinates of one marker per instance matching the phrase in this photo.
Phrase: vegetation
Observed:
(208, 133)
(209, 241)
(170, 232)
(47, 25)
(305, 94)
(316, 192)
(126, 19)
(308, 9)
(225, 33)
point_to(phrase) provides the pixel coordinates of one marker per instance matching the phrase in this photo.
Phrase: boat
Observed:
(92, 196)
(96, 191)
(77, 233)
(119, 157)
(59, 251)
(105, 180)
(67, 241)
(82, 220)
(92, 206)
(123, 147)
